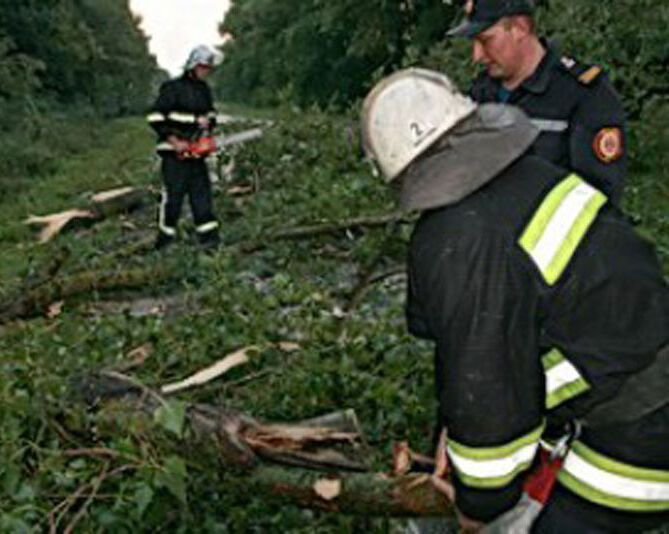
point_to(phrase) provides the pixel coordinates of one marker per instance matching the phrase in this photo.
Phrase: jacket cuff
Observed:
(486, 505)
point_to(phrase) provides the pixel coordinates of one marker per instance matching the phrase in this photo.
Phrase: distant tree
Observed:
(91, 51)
(312, 51)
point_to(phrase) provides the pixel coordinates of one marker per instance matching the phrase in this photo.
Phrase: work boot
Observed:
(209, 240)
(163, 241)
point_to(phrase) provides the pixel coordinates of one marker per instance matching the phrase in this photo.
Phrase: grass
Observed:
(308, 168)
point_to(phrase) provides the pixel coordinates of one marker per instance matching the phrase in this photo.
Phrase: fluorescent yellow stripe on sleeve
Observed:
(563, 379)
(614, 484)
(560, 224)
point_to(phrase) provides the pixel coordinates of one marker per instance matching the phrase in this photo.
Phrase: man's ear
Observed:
(521, 26)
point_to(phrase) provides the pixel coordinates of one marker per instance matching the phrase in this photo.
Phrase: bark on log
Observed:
(120, 200)
(362, 492)
(36, 301)
(369, 494)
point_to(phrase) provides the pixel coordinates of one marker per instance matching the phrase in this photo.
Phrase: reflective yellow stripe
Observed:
(182, 117)
(560, 224)
(563, 380)
(164, 146)
(494, 467)
(206, 227)
(614, 484)
(167, 230)
(155, 117)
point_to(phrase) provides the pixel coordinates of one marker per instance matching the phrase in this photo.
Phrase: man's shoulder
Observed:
(583, 75)
(170, 84)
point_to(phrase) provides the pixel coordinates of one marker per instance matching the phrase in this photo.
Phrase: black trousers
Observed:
(187, 177)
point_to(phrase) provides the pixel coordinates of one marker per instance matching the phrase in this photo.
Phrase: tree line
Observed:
(63, 59)
(318, 52)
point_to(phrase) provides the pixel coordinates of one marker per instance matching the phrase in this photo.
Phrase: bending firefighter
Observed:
(182, 114)
(550, 317)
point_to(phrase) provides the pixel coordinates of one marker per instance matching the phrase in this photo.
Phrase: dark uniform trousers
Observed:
(190, 177)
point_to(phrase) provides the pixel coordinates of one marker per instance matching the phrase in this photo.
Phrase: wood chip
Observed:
(238, 190)
(55, 309)
(441, 467)
(139, 355)
(401, 458)
(207, 374)
(327, 489)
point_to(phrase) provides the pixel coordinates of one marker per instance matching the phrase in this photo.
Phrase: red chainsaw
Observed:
(210, 144)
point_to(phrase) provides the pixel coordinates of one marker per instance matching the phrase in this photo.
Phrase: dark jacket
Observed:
(180, 103)
(543, 303)
(579, 114)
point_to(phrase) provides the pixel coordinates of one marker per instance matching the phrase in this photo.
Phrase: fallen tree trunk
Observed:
(367, 494)
(318, 463)
(103, 205)
(300, 232)
(36, 301)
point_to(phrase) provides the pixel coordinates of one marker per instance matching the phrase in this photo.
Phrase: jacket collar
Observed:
(540, 79)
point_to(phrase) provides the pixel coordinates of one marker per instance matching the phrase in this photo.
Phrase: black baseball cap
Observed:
(481, 14)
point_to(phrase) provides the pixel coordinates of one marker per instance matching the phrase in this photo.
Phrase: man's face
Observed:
(202, 71)
(497, 50)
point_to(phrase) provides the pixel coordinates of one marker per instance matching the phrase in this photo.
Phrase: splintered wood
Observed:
(57, 222)
(207, 374)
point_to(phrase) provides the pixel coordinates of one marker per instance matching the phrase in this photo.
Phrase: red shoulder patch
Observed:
(608, 144)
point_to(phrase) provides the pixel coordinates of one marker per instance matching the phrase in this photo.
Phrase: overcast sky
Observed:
(176, 26)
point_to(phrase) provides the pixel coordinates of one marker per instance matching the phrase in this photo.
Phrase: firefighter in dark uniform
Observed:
(574, 106)
(182, 113)
(549, 314)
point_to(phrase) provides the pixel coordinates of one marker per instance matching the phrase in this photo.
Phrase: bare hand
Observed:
(179, 144)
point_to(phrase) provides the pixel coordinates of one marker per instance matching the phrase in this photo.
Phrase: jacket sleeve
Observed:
(481, 310)
(597, 143)
(158, 117)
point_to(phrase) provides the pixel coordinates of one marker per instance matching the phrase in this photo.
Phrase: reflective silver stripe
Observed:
(612, 483)
(206, 227)
(560, 224)
(164, 146)
(177, 116)
(547, 125)
(155, 117)
(494, 467)
(563, 380)
(168, 230)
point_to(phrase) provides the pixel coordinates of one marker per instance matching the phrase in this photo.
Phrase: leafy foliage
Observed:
(308, 168)
(321, 52)
(64, 64)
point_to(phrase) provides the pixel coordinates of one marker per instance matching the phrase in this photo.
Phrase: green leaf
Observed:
(173, 477)
(143, 497)
(171, 417)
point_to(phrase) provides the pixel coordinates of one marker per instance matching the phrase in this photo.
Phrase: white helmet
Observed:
(200, 55)
(406, 113)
